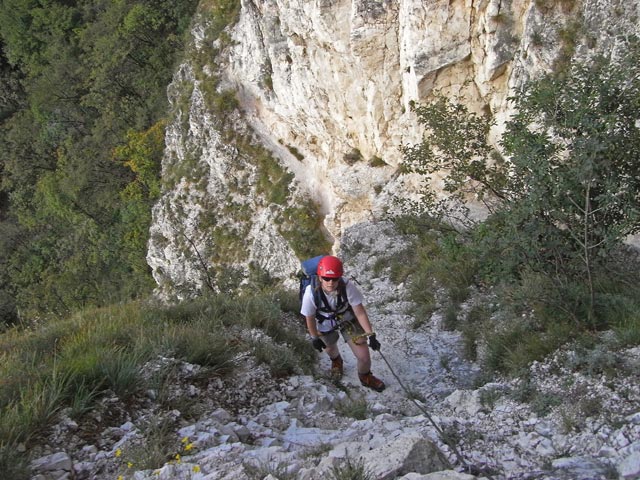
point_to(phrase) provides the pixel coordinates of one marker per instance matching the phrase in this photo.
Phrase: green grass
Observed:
(351, 469)
(268, 469)
(353, 408)
(72, 363)
(517, 316)
(12, 463)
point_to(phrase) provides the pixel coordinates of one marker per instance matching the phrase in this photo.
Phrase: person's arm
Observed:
(312, 328)
(363, 318)
(316, 341)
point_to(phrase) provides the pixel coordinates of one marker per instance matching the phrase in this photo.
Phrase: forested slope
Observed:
(82, 112)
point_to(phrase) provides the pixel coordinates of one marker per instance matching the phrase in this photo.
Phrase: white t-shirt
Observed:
(309, 307)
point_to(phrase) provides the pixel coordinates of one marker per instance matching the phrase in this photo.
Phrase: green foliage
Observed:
(259, 471)
(281, 360)
(439, 266)
(143, 154)
(353, 408)
(511, 348)
(158, 444)
(202, 343)
(287, 300)
(353, 157)
(12, 462)
(302, 227)
(541, 402)
(581, 173)
(273, 179)
(72, 362)
(628, 330)
(92, 81)
(490, 396)
(456, 144)
(295, 152)
(223, 14)
(560, 204)
(351, 469)
(595, 357)
(376, 162)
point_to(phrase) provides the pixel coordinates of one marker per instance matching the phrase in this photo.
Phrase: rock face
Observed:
(326, 86)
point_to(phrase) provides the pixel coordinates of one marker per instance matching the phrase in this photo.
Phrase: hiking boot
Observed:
(336, 367)
(372, 382)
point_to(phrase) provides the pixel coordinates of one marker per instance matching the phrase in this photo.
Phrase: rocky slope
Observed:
(326, 86)
(253, 426)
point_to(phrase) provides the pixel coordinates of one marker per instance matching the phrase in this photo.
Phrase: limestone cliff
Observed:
(311, 99)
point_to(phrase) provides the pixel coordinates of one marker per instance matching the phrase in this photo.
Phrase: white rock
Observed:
(629, 468)
(404, 455)
(55, 461)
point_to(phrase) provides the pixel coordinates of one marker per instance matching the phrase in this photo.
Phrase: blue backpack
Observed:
(308, 275)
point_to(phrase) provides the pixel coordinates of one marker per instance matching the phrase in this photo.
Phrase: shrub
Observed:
(155, 448)
(351, 469)
(268, 469)
(552, 209)
(12, 463)
(353, 157)
(376, 161)
(203, 344)
(280, 359)
(353, 408)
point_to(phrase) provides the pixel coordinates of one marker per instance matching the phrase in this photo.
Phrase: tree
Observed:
(573, 146)
(456, 145)
(88, 73)
(569, 192)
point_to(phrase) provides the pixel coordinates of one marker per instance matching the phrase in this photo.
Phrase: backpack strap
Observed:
(323, 310)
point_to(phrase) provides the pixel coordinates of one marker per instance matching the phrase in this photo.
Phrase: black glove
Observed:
(374, 344)
(318, 344)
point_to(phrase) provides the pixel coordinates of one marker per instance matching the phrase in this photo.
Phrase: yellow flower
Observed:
(118, 453)
(184, 439)
(129, 464)
(188, 447)
(177, 457)
(196, 469)
(120, 477)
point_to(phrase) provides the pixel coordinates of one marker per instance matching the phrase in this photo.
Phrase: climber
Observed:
(332, 305)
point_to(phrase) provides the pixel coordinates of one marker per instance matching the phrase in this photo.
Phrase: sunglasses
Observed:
(329, 279)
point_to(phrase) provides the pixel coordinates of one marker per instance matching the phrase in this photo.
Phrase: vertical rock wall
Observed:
(326, 87)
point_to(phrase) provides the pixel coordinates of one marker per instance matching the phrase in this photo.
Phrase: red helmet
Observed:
(330, 267)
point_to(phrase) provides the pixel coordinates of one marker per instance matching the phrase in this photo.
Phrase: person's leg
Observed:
(361, 352)
(331, 341)
(332, 350)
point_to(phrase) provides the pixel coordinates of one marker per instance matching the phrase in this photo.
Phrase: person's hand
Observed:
(318, 344)
(374, 344)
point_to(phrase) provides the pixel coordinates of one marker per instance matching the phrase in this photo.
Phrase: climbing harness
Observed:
(324, 311)
(469, 468)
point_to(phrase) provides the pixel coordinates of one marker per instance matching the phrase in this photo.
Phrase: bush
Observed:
(351, 469)
(203, 344)
(578, 149)
(280, 360)
(353, 408)
(13, 464)
(561, 197)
